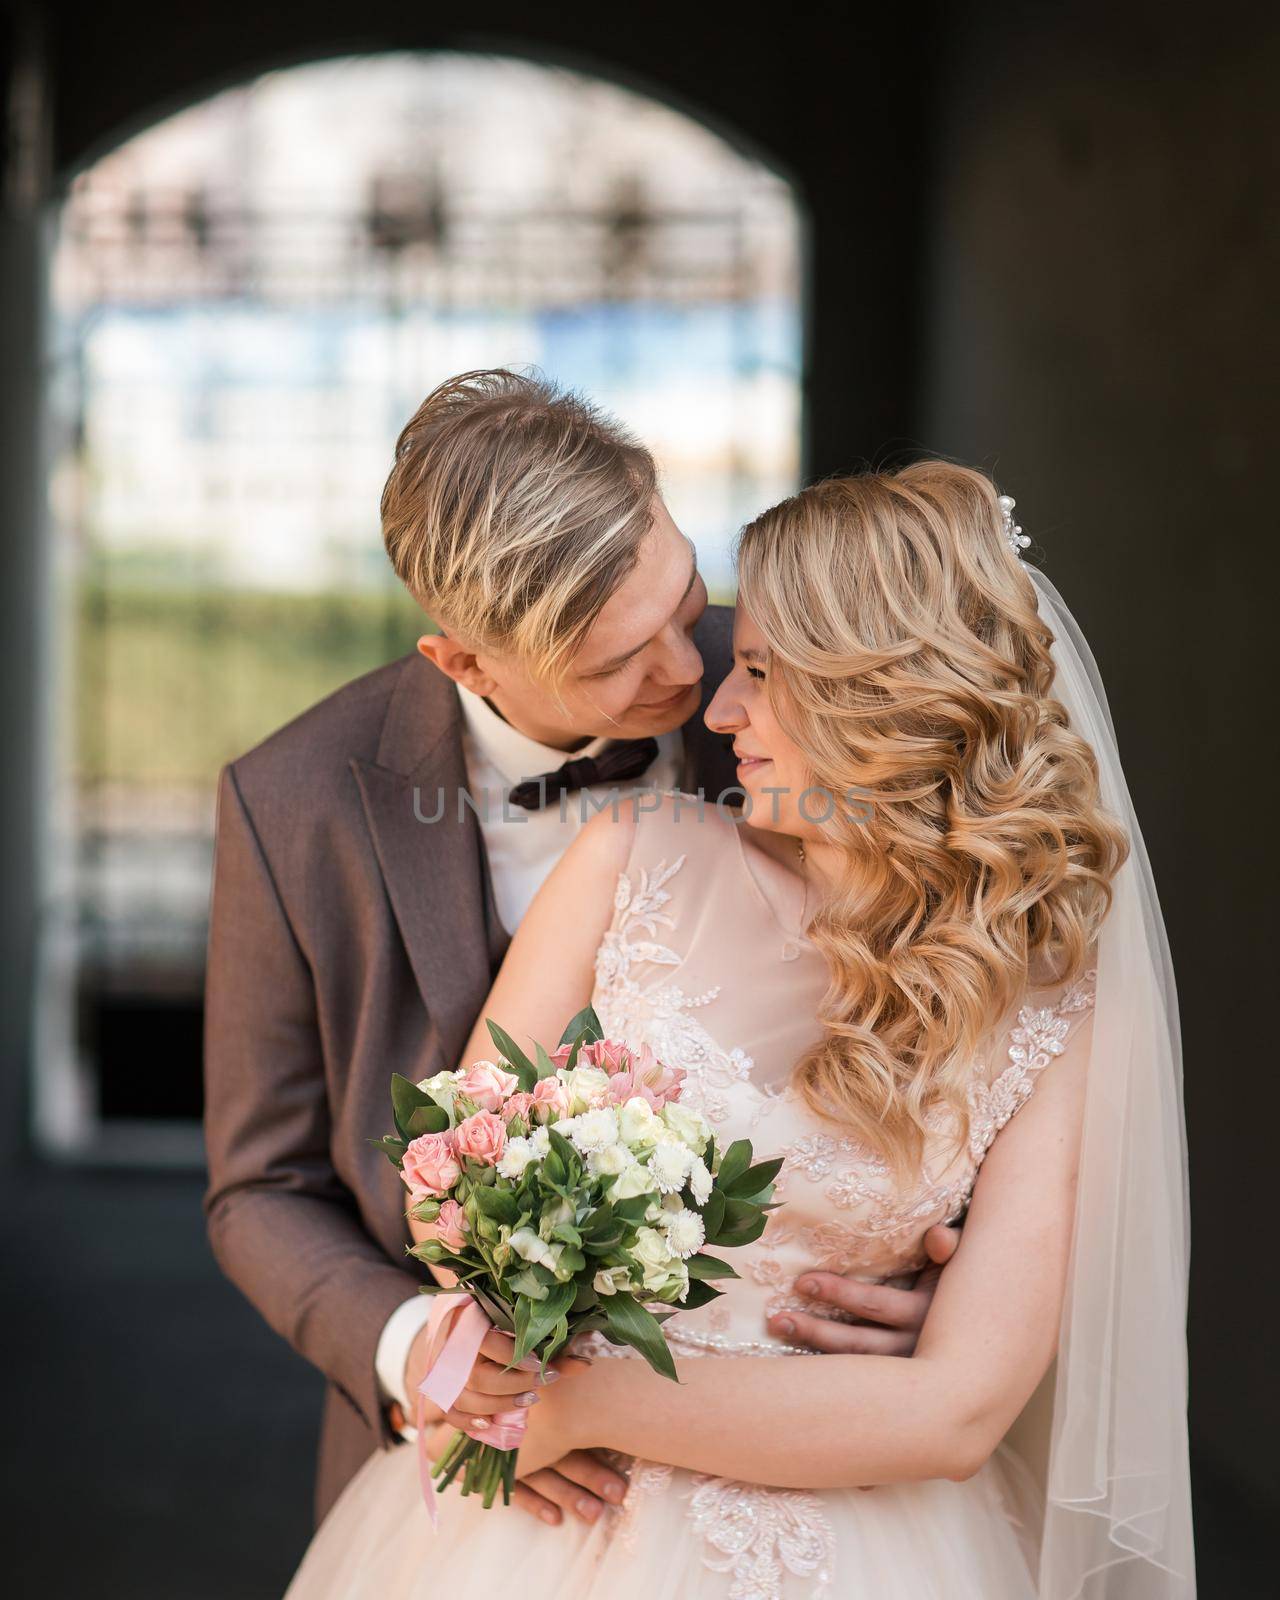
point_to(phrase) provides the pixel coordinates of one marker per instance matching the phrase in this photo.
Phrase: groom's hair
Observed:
(513, 511)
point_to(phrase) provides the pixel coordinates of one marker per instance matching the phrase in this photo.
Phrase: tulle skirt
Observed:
(682, 1536)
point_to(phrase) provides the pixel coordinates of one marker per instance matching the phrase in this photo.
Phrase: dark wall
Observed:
(1102, 331)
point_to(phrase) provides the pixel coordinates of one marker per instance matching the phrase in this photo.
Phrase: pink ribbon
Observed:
(447, 1374)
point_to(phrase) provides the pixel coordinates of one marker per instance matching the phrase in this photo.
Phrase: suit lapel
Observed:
(429, 848)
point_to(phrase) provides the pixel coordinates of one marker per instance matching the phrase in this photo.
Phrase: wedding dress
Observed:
(706, 961)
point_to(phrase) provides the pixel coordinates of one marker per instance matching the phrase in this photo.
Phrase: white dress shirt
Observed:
(522, 847)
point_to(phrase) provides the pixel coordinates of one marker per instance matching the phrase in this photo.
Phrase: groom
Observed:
(373, 856)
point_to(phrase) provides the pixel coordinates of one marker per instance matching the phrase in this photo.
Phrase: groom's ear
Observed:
(456, 661)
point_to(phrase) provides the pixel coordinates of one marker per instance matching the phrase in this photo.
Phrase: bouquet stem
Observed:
(484, 1470)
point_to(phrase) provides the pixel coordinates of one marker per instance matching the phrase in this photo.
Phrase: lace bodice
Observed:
(706, 962)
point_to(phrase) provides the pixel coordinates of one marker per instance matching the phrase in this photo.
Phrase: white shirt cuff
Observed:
(400, 1330)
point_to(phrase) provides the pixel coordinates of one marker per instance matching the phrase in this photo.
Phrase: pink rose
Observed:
(430, 1167)
(519, 1104)
(451, 1226)
(549, 1095)
(610, 1054)
(487, 1084)
(648, 1078)
(482, 1137)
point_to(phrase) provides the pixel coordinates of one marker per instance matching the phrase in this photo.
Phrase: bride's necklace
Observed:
(791, 946)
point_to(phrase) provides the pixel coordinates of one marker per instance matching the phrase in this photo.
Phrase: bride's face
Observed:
(771, 769)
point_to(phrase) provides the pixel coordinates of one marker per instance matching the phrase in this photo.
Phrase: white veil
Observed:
(1106, 1434)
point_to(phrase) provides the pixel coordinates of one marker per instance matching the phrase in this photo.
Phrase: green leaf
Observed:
(754, 1181)
(566, 1233)
(393, 1149)
(499, 1314)
(699, 1294)
(406, 1098)
(559, 1336)
(526, 1282)
(566, 1152)
(585, 1299)
(545, 1065)
(631, 1323)
(584, 1028)
(541, 1317)
(701, 1266)
(736, 1160)
(713, 1214)
(500, 1204)
(742, 1233)
(511, 1052)
(739, 1212)
(633, 1208)
(427, 1119)
(609, 1243)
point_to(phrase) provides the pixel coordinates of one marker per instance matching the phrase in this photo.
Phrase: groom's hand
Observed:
(580, 1483)
(890, 1319)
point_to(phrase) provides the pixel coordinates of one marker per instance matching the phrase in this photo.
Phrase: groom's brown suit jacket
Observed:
(349, 940)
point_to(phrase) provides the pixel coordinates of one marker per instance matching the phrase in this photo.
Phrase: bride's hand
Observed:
(555, 1426)
(490, 1387)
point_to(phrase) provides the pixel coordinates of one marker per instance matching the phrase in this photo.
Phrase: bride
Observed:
(926, 967)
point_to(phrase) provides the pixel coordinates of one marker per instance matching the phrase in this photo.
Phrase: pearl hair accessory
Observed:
(1014, 536)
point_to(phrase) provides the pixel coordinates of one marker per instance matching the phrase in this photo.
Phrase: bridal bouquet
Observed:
(569, 1193)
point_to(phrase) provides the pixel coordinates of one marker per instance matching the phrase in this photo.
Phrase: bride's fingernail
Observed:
(529, 1364)
(527, 1399)
(787, 1326)
(479, 1422)
(552, 1376)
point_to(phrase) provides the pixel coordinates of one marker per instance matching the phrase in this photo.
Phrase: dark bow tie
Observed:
(616, 763)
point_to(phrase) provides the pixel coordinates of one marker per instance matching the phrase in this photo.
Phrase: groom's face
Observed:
(637, 672)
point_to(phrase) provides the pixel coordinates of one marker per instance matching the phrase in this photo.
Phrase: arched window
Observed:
(249, 300)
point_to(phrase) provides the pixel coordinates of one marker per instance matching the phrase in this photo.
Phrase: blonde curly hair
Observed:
(908, 662)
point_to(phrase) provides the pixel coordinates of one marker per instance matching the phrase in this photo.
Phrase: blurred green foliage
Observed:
(172, 682)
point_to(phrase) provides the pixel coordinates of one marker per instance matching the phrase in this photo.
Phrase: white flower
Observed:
(677, 1285)
(529, 1247)
(586, 1086)
(593, 1130)
(669, 1166)
(700, 1180)
(688, 1125)
(660, 1268)
(612, 1280)
(516, 1157)
(561, 1210)
(441, 1088)
(540, 1143)
(651, 1248)
(685, 1232)
(638, 1123)
(609, 1162)
(635, 1180)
